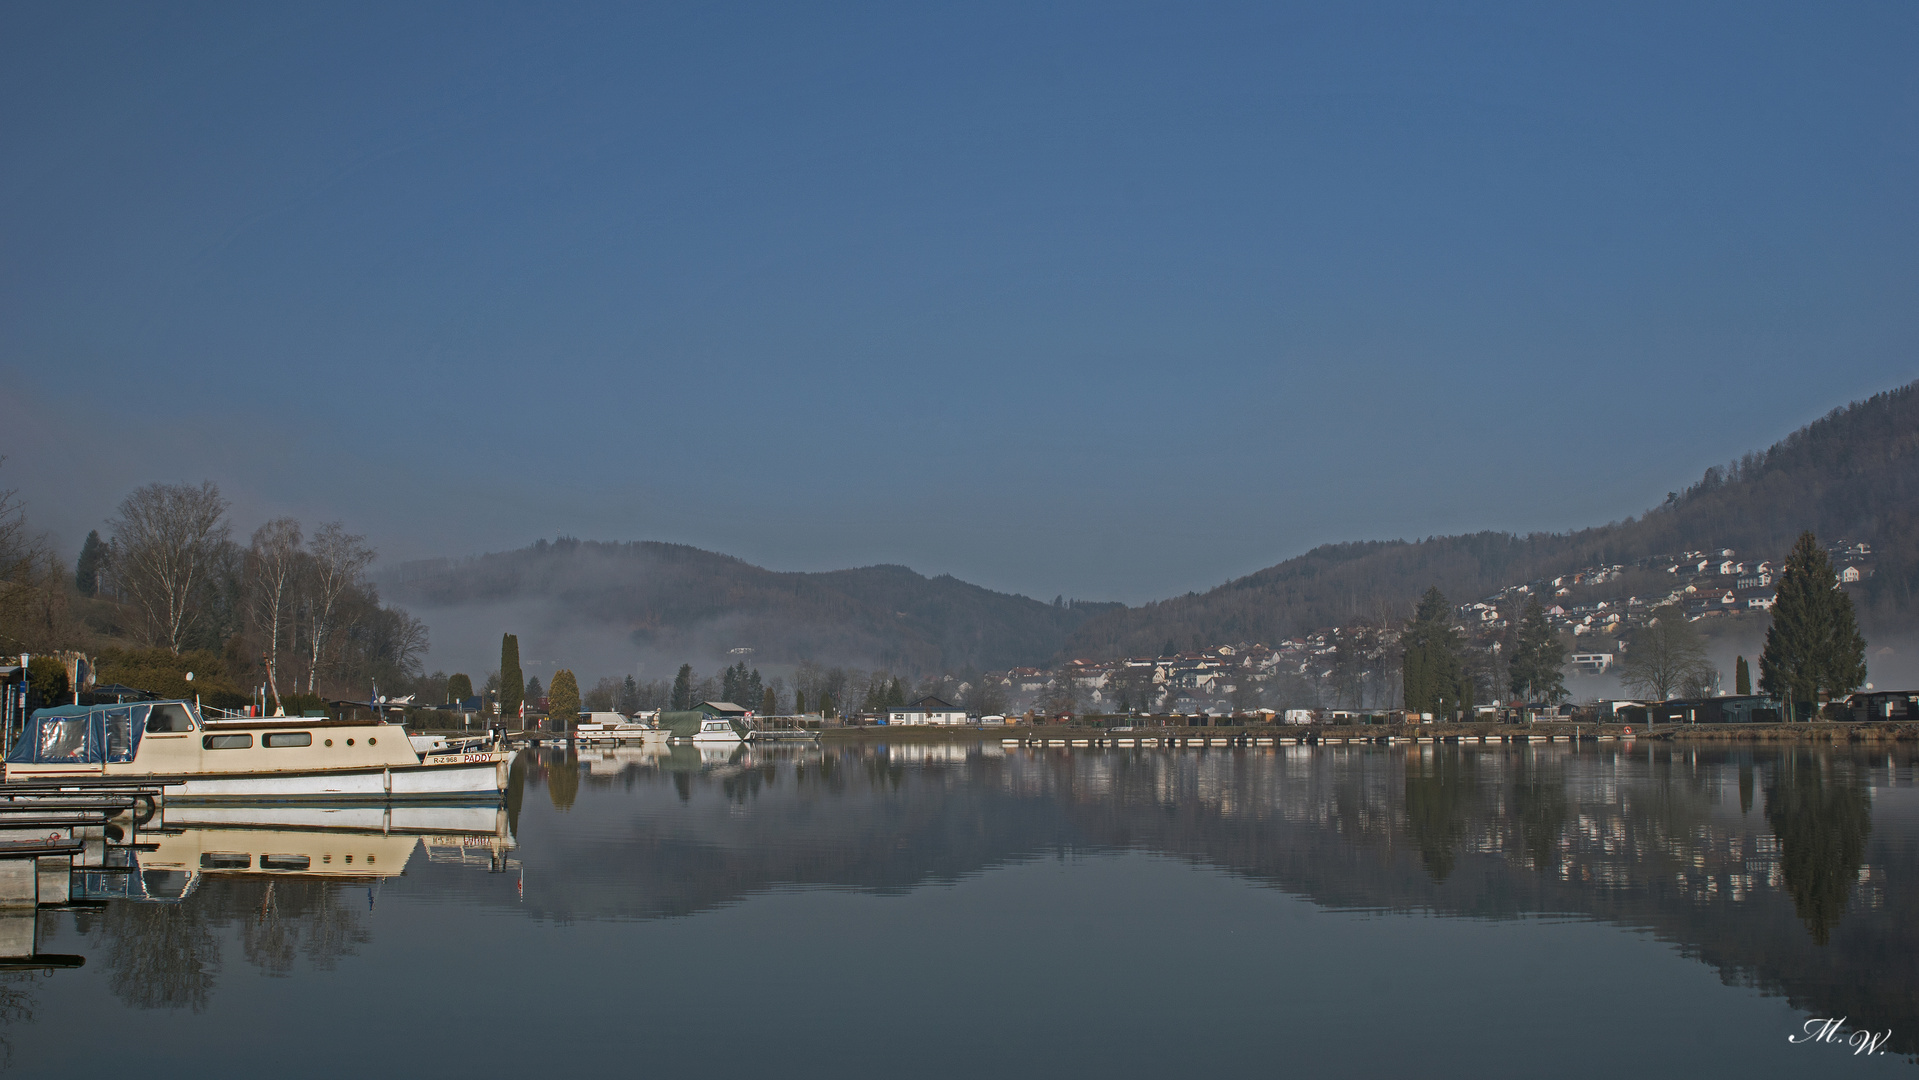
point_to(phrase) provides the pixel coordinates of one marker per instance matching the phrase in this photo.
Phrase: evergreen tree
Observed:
(1813, 645)
(629, 696)
(93, 556)
(563, 701)
(1431, 670)
(799, 703)
(729, 684)
(1741, 677)
(682, 699)
(1539, 658)
(751, 688)
(769, 702)
(458, 688)
(895, 694)
(826, 706)
(534, 691)
(512, 679)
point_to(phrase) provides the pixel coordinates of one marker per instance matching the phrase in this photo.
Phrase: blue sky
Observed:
(1107, 300)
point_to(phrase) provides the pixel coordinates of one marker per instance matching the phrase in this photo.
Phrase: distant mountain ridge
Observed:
(1853, 474)
(672, 600)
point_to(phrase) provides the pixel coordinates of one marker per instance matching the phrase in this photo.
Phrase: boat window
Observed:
(285, 862)
(227, 742)
(289, 738)
(220, 860)
(119, 734)
(166, 718)
(64, 739)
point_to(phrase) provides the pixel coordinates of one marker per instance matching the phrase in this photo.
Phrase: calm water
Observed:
(959, 911)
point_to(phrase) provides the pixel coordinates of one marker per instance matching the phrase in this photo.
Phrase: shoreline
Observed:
(1814, 731)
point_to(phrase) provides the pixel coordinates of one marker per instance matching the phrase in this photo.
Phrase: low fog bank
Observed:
(467, 639)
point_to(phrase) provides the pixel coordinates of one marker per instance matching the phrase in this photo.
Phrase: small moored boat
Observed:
(718, 729)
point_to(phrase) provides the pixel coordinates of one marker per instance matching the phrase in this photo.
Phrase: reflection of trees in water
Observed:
(168, 956)
(296, 917)
(515, 792)
(746, 783)
(563, 782)
(161, 956)
(1440, 791)
(17, 999)
(1821, 811)
(821, 774)
(1539, 808)
(882, 773)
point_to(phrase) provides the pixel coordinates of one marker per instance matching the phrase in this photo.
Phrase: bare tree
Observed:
(1665, 654)
(16, 550)
(20, 558)
(166, 541)
(409, 640)
(274, 563)
(339, 560)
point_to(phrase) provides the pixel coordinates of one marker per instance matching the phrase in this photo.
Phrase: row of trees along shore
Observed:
(814, 689)
(165, 590)
(1814, 651)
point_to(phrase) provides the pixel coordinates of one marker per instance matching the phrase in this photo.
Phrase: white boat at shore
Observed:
(624, 731)
(170, 745)
(719, 730)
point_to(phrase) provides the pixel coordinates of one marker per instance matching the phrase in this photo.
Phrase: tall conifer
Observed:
(563, 700)
(1539, 657)
(1813, 645)
(1430, 665)
(512, 679)
(93, 556)
(682, 699)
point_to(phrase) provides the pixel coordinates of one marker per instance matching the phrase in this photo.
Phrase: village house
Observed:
(927, 710)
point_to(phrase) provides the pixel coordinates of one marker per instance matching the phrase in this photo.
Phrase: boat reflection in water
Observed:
(187, 845)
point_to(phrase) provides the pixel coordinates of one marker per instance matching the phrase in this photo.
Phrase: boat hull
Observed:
(453, 781)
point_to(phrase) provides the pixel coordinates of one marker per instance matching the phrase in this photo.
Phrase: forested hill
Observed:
(1853, 474)
(681, 603)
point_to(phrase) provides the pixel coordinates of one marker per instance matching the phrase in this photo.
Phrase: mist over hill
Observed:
(1852, 474)
(656, 605)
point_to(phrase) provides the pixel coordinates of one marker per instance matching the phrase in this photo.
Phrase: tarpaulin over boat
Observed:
(80, 735)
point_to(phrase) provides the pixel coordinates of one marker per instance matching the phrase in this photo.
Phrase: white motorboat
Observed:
(718, 729)
(623, 731)
(170, 745)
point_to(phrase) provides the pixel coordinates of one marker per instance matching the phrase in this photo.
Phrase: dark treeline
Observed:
(1853, 474)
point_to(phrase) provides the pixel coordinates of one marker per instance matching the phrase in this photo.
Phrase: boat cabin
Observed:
(171, 737)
